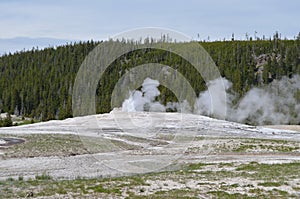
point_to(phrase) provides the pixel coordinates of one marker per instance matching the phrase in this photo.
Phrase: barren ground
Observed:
(150, 155)
(285, 127)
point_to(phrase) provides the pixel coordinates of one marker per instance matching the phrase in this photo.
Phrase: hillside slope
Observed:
(39, 83)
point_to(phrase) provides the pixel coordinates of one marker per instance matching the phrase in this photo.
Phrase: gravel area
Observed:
(154, 147)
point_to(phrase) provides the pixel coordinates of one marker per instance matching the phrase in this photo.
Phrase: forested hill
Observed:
(38, 83)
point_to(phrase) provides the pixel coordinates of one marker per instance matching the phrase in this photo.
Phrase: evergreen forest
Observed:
(39, 83)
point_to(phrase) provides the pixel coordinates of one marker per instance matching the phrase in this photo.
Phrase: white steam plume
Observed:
(215, 100)
(144, 100)
(276, 103)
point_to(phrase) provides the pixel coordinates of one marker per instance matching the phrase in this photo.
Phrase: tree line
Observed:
(39, 83)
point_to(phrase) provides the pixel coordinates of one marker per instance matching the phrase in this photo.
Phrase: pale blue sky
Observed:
(99, 19)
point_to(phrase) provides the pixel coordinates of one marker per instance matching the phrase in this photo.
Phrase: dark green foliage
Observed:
(39, 83)
(117, 69)
(238, 60)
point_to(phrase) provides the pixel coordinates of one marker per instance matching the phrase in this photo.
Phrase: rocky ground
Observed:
(155, 155)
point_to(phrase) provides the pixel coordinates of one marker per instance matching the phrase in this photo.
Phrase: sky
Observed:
(70, 20)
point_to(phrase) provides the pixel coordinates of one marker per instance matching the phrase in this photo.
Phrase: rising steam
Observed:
(276, 103)
(214, 101)
(144, 100)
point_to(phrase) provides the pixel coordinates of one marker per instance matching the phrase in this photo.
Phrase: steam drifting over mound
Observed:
(213, 101)
(276, 103)
(144, 100)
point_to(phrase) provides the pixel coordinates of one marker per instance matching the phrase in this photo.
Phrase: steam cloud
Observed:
(214, 101)
(276, 103)
(144, 100)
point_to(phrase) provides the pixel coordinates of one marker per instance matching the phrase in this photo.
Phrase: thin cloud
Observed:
(99, 19)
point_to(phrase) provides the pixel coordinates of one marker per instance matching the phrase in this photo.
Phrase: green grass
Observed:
(171, 194)
(45, 145)
(26, 122)
(234, 185)
(100, 189)
(43, 177)
(226, 195)
(152, 142)
(272, 174)
(270, 184)
(291, 170)
(210, 183)
(218, 183)
(196, 166)
(237, 145)
(267, 145)
(276, 193)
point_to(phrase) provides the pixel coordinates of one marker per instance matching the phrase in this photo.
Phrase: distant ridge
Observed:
(17, 44)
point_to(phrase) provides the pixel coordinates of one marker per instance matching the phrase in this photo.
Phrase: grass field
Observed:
(223, 180)
(230, 179)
